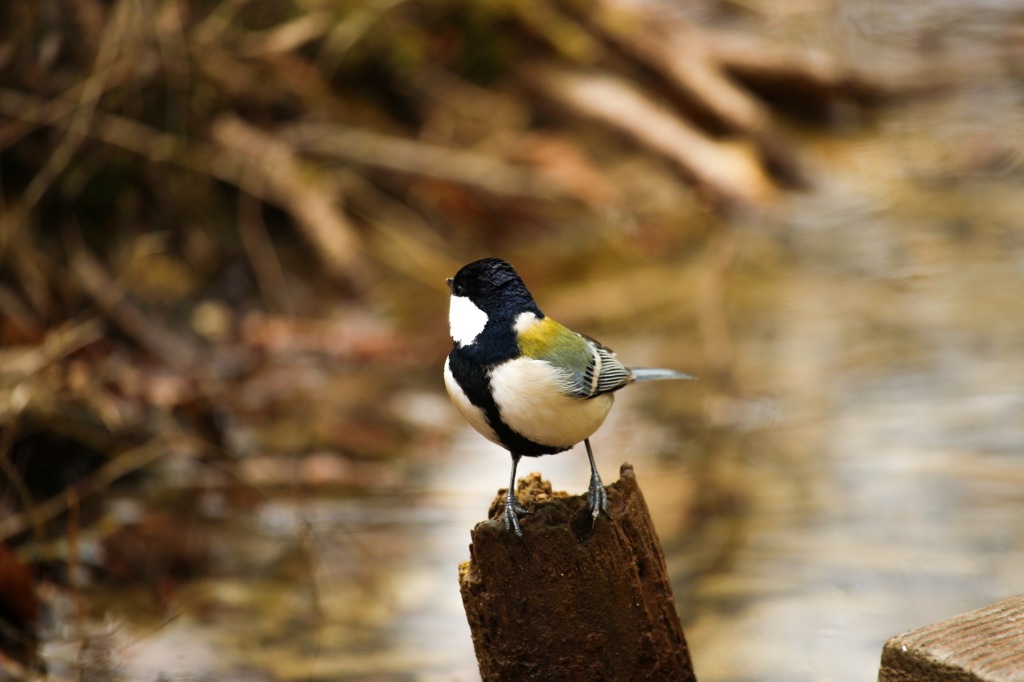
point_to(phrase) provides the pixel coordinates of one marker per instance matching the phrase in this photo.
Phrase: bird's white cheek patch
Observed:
(465, 320)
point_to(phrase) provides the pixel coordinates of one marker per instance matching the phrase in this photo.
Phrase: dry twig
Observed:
(727, 171)
(685, 57)
(158, 339)
(17, 364)
(472, 169)
(123, 464)
(267, 167)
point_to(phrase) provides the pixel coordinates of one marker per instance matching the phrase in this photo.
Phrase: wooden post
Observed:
(573, 601)
(986, 645)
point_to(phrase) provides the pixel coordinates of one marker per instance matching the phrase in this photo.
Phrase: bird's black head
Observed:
(494, 287)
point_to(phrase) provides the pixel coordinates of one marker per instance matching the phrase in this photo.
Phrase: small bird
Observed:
(524, 381)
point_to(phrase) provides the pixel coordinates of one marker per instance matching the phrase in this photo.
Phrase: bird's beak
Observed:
(449, 283)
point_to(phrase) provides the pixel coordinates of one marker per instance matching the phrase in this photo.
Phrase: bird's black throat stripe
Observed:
(474, 380)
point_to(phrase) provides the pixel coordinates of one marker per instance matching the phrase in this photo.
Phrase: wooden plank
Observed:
(573, 601)
(984, 645)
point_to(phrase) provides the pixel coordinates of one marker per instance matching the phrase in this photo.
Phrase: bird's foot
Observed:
(513, 510)
(597, 497)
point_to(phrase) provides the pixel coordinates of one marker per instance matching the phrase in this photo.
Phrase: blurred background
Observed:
(225, 448)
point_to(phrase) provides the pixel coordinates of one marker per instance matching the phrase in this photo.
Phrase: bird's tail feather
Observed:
(655, 374)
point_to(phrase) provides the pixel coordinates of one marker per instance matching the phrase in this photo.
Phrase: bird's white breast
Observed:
(531, 396)
(465, 320)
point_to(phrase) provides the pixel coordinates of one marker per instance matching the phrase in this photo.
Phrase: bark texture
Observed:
(986, 645)
(572, 600)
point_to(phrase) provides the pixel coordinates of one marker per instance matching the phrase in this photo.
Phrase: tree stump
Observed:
(986, 645)
(573, 600)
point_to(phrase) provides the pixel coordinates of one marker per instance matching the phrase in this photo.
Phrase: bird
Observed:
(525, 381)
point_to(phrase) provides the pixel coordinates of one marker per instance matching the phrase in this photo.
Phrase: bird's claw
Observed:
(513, 510)
(597, 498)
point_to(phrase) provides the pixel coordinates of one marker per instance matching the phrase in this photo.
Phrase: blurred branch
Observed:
(346, 33)
(123, 464)
(684, 55)
(16, 364)
(260, 249)
(158, 339)
(726, 171)
(266, 166)
(32, 267)
(244, 156)
(473, 169)
(810, 72)
(123, 17)
(287, 36)
(402, 233)
(16, 480)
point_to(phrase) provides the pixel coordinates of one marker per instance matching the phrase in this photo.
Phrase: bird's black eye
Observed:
(459, 290)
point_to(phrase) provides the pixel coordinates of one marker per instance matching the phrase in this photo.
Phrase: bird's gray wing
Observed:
(604, 374)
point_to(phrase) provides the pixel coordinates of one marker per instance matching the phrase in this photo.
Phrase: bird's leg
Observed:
(512, 507)
(597, 497)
